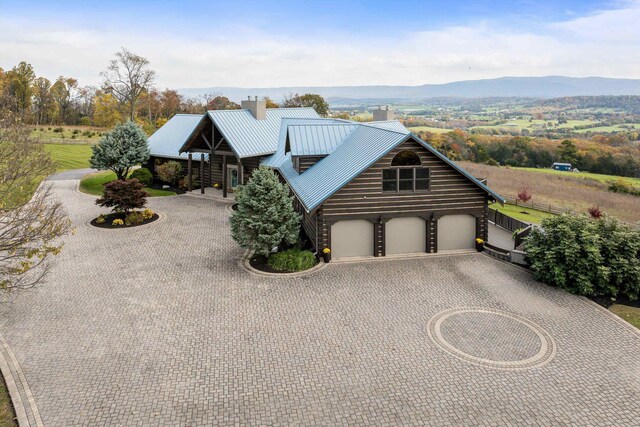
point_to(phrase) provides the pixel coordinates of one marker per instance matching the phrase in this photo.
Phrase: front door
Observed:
(232, 177)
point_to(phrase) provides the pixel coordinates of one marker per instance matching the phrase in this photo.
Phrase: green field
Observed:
(605, 179)
(613, 128)
(523, 214)
(69, 156)
(417, 129)
(92, 184)
(520, 124)
(69, 134)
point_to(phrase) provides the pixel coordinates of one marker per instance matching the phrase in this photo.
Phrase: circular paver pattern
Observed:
(491, 338)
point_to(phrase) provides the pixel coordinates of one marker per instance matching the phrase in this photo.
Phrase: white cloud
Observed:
(604, 43)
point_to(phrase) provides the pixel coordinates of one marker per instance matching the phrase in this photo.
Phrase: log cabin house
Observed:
(363, 189)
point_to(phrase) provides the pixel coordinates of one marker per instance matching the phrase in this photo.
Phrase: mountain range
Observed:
(530, 87)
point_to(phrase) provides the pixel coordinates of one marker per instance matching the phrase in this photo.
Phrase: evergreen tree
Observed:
(121, 149)
(265, 217)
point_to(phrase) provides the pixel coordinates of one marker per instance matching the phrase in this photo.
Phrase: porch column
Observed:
(201, 173)
(189, 170)
(240, 172)
(224, 175)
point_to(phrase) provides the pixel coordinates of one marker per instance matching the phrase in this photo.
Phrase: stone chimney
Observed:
(257, 108)
(381, 115)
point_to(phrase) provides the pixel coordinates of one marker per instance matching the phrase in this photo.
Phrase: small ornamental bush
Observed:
(100, 220)
(143, 175)
(117, 221)
(147, 214)
(123, 195)
(184, 181)
(595, 212)
(584, 256)
(134, 218)
(524, 195)
(265, 217)
(169, 172)
(292, 260)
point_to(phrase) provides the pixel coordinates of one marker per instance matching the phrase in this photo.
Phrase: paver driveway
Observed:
(159, 326)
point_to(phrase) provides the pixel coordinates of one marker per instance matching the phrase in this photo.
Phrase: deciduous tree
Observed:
(315, 101)
(31, 221)
(105, 110)
(126, 77)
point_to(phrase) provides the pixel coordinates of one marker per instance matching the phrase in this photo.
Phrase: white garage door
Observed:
(352, 238)
(456, 232)
(405, 235)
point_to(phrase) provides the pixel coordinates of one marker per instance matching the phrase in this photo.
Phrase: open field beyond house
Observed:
(567, 190)
(69, 156)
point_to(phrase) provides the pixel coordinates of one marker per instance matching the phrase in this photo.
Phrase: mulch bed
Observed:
(110, 217)
(259, 262)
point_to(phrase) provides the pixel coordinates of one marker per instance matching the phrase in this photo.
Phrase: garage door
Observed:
(352, 238)
(456, 232)
(405, 235)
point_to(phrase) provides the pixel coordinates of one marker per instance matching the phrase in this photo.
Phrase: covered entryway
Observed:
(456, 232)
(405, 235)
(351, 238)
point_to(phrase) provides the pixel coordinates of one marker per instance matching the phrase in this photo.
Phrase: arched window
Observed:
(406, 174)
(406, 158)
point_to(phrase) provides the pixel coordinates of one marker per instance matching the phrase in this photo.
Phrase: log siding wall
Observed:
(449, 193)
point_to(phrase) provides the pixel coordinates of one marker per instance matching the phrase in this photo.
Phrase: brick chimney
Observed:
(381, 115)
(257, 108)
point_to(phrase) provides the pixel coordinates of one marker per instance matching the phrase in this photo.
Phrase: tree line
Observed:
(127, 92)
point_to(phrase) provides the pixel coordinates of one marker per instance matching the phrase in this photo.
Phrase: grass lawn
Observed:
(630, 314)
(605, 179)
(531, 215)
(7, 414)
(92, 184)
(69, 156)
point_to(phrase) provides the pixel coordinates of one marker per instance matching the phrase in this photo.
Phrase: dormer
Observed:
(308, 144)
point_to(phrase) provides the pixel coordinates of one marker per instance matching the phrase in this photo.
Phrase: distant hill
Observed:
(534, 87)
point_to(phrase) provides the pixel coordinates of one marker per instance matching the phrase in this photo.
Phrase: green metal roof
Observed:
(166, 141)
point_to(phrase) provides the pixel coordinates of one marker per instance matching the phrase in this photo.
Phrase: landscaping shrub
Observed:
(117, 221)
(592, 257)
(265, 217)
(169, 172)
(58, 130)
(292, 260)
(123, 195)
(143, 175)
(134, 218)
(184, 181)
(147, 214)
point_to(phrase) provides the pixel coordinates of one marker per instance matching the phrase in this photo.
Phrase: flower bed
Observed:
(122, 220)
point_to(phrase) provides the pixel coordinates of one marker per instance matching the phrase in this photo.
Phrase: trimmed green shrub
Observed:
(134, 218)
(169, 172)
(584, 256)
(143, 175)
(121, 149)
(292, 260)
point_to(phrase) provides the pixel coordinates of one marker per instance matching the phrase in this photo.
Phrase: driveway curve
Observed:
(158, 325)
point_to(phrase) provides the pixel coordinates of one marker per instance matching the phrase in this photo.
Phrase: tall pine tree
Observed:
(265, 217)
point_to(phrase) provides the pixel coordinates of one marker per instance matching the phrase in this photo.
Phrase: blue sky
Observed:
(277, 43)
